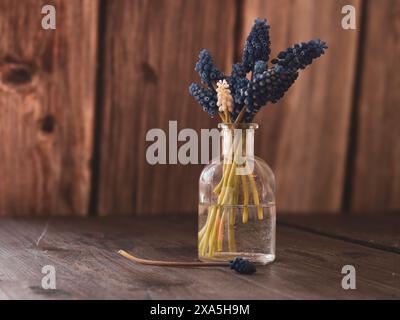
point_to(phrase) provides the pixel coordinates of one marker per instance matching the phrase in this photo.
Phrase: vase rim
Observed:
(231, 126)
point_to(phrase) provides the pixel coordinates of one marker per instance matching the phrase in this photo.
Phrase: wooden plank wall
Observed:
(159, 41)
(47, 94)
(304, 138)
(52, 163)
(376, 170)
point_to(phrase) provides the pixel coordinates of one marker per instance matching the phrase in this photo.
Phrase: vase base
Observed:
(257, 258)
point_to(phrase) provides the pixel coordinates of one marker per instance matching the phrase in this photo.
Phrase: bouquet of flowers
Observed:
(236, 99)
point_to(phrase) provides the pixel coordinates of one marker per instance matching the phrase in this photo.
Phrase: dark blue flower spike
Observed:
(242, 266)
(238, 70)
(300, 55)
(257, 46)
(259, 67)
(207, 70)
(238, 86)
(205, 97)
(268, 86)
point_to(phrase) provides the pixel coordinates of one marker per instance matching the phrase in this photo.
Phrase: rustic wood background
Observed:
(76, 104)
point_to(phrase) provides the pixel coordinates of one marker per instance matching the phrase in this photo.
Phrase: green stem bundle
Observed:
(211, 236)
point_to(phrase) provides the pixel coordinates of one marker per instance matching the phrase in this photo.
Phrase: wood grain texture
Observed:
(304, 137)
(376, 179)
(84, 253)
(379, 231)
(47, 90)
(151, 49)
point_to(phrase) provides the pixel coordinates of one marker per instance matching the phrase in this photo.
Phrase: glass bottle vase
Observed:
(237, 201)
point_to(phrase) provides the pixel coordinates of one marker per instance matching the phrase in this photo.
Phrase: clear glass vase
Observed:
(237, 201)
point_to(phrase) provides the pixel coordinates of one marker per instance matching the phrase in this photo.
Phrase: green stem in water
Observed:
(211, 235)
(256, 199)
(245, 216)
(221, 232)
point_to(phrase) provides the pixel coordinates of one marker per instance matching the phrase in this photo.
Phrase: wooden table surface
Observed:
(311, 252)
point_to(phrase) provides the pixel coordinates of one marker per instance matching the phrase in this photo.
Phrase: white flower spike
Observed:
(225, 100)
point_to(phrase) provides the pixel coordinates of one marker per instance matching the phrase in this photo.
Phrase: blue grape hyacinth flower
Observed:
(242, 266)
(207, 70)
(259, 67)
(239, 85)
(257, 45)
(238, 70)
(205, 97)
(268, 86)
(300, 55)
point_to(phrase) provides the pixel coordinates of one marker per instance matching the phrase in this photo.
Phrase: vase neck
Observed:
(237, 140)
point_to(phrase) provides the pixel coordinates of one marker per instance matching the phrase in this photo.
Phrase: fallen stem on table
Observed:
(170, 263)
